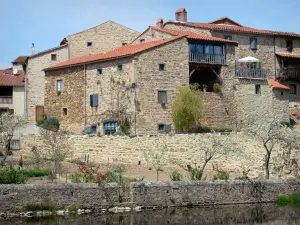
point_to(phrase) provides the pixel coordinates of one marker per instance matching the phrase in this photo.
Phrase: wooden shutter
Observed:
(39, 112)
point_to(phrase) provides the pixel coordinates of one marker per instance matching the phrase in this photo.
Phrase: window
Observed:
(65, 111)
(142, 40)
(161, 67)
(281, 93)
(89, 44)
(120, 67)
(124, 43)
(206, 49)
(162, 97)
(92, 129)
(257, 89)
(253, 43)
(164, 127)
(94, 100)
(53, 57)
(228, 37)
(289, 45)
(110, 127)
(293, 88)
(99, 71)
(59, 85)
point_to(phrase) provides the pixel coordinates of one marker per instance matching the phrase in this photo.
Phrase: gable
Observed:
(226, 21)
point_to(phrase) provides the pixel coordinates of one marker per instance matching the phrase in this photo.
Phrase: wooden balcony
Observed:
(6, 100)
(252, 73)
(288, 73)
(207, 58)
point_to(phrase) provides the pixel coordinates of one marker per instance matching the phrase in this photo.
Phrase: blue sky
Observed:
(46, 23)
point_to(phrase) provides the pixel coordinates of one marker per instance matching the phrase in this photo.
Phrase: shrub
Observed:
(217, 88)
(195, 174)
(36, 173)
(221, 175)
(289, 200)
(42, 121)
(51, 123)
(176, 176)
(244, 177)
(9, 175)
(187, 108)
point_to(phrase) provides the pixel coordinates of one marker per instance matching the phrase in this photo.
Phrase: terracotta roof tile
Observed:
(124, 51)
(275, 84)
(8, 79)
(192, 35)
(288, 55)
(21, 59)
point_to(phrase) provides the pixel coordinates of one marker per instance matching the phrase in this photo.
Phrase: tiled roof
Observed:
(288, 55)
(21, 59)
(10, 79)
(192, 35)
(124, 51)
(275, 84)
(234, 28)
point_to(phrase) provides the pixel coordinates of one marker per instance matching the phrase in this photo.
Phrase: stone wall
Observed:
(181, 148)
(162, 194)
(70, 98)
(151, 34)
(36, 77)
(104, 37)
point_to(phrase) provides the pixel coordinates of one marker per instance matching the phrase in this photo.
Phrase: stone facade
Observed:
(103, 37)
(151, 34)
(35, 77)
(68, 104)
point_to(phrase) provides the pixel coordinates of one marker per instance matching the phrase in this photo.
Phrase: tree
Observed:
(271, 133)
(9, 124)
(57, 147)
(156, 157)
(187, 108)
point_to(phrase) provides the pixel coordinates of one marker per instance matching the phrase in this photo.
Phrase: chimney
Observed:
(160, 23)
(32, 49)
(181, 15)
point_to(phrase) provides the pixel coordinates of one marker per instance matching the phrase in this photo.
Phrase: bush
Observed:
(221, 175)
(45, 206)
(176, 176)
(244, 177)
(42, 121)
(289, 200)
(9, 175)
(51, 124)
(217, 88)
(187, 108)
(195, 174)
(36, 173)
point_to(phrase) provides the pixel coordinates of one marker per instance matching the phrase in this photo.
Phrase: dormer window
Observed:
(289, 45)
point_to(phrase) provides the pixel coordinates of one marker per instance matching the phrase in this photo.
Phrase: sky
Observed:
(47, 22)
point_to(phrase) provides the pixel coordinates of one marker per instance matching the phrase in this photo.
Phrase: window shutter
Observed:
(95, 100)
(91, 100)
(168, 128)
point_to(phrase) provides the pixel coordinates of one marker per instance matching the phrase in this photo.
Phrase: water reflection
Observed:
(239, 214)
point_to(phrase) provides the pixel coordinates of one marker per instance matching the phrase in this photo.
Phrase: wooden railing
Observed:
(5, 100)
(252, 73)
(288, 72)
(207, 58)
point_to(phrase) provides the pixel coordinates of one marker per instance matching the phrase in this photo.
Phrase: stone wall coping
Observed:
(58, 186)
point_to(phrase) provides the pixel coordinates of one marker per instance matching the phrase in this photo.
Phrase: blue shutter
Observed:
(95, 100)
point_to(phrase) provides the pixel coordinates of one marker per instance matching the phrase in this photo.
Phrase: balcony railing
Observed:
(288, 72)
(5, 100)
(207, 58)
(252, 73)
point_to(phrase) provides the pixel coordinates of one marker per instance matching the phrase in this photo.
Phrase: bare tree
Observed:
(57, 148)
(9, 124)
(157, 158)
(271, 133)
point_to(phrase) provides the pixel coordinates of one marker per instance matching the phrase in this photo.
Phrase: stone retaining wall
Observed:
(161, 194)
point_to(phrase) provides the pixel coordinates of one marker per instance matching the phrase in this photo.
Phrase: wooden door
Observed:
(39, 112)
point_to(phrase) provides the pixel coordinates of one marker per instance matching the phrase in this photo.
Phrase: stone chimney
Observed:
(160, 23)
(32, 49)
(181, 15)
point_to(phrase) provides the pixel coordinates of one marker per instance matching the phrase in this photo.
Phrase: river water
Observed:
(238, 214)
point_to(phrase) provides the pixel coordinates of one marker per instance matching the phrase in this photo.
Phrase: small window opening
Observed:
(164, 127)
(161, 67)
(281, 93)
(99, 71)
(53, 57)
(289, 45)
(161, 127)
(59, 85)
(65, 111)
(110, 128)
(293, 89)
(94, 102)
(142, 40)
(120, 67)
(162, 97)
(89, 44)
(124, 43)
(253, 43)
(257, 89)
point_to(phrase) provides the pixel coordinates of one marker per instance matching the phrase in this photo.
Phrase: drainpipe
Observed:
(275, 58)
(84, 69)
(135, 98)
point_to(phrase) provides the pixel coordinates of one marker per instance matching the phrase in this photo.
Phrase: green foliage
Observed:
(217, 88)
(204, 86)
(176, 176)
(221, 175)
(76, 178)
(289, 200)
(72, 208)
(244, 177)
(36, 172)
(204, 129)
(42, 121)
(187, 108)
(195, 174)
(51, 124)
(285, 123)
(44, 206)
(10, 175)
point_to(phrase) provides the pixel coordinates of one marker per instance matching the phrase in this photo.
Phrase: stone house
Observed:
(98, 39)
(12, 88)
(147, 74)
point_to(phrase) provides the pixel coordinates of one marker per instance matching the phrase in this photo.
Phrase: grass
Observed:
(289, 200)
(46, 206)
